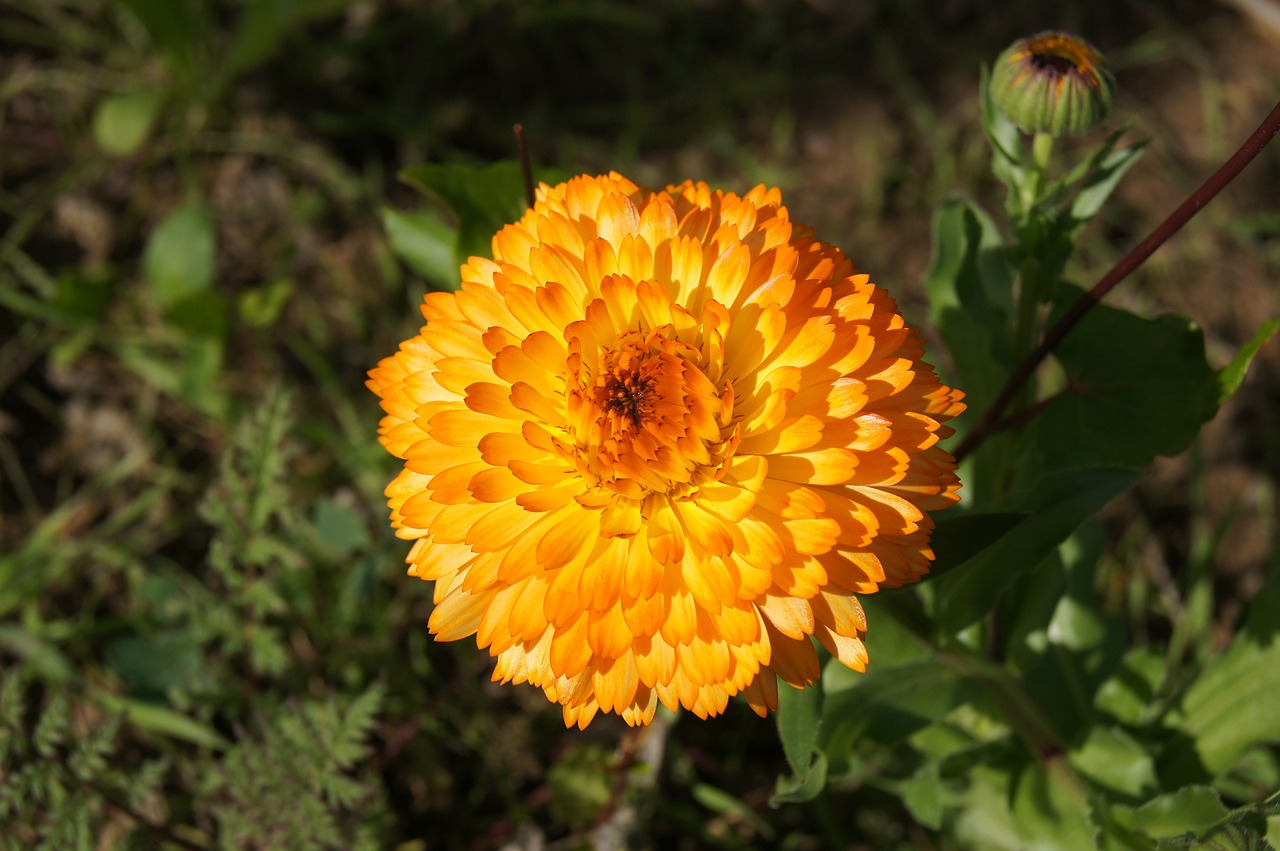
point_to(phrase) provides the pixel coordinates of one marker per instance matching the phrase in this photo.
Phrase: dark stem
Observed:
(525, 168)
(1135, 258)
(1030, 412)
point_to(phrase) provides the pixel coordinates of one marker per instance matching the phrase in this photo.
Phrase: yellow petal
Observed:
(790, 616)
(570, 653)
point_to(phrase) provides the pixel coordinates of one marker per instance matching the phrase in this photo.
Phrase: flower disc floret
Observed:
(659, 442)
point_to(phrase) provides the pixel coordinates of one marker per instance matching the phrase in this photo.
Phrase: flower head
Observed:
(1052, 83)
(656, 443)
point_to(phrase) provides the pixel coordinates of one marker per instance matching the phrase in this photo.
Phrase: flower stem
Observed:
(1042, 151)
(526, 168)
(1135, 258)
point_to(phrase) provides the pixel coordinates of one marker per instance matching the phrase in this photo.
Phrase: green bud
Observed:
(1052, 83)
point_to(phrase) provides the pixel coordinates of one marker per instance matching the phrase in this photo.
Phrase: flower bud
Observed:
(1052, 83)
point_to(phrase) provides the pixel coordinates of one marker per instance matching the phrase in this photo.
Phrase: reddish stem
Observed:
(1135, 258)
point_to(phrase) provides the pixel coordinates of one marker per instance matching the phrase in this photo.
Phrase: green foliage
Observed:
(288, 787)
(1006, 706)
(580, 784)
(206, 638)
(60, 775)
(179, 260)
(122, 122)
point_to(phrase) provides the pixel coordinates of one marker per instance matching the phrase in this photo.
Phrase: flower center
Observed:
(1063, 55)
(646, 418)
(627, 396)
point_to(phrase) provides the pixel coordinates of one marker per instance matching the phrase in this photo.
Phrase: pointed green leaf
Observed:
(798, 789)
(1056, 506)
(799, 718)
(425, 243)
(164, 722)
(1233, 375)
(483, 198)
(1101, 181)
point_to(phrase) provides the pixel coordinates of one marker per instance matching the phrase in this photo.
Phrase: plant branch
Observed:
(1135, 258)
(526, 168)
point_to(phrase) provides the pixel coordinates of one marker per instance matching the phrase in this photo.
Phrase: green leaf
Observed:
(340, 528)
(984, 820)
(82, 297)
(887, 704)
(202, 314)
(970, 287)
(798, 789)
(1231, 706)
(1138, 388)
(1081, 644)
(1051, 809)
(265, 23)
(580, 784)
(719, 801)
(179, 258)
(1056, 506)
(425, 243)
(1191, 810)
(1230, 378)
(959, 536)
(189, 371)
(922, 794)
(1129, 694)
(483, 198)
(151, 665)
(45, 659)
(799, 718)
(1024, 806)
(1106, 168)
(164, 722)
(260, 307)
(1115, 761)
(122, 122)
(176, 26)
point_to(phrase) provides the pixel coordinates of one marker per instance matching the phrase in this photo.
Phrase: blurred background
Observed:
(202, 251)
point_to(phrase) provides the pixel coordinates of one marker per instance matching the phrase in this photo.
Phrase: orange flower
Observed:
(656, 443)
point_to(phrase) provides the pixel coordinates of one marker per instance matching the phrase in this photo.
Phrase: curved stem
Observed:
(1135, 258)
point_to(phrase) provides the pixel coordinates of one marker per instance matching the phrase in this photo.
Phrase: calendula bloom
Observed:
(1052, 83)
(658, 442)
